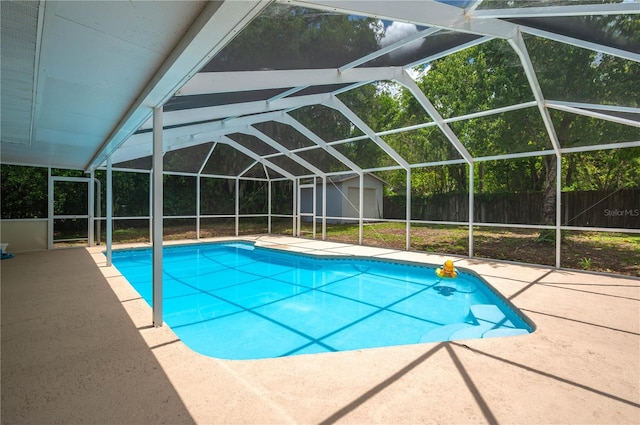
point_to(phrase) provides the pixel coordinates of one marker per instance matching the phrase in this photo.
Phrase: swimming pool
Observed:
(238, 301)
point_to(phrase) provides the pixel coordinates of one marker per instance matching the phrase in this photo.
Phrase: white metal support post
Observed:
(92, 208)
(151, 206)
(471, 209)
(156, 216)
(518, 44)
(324, 208)
(296, 227)
(63, 215)
(314, 208)
(269, 218)
(109, 236)
(361, 211)
(558, 211)
(237, 206)
(198, 207)
(99, 209)
(408, 211)
(406, 80)
(199, 188)
(49, 210)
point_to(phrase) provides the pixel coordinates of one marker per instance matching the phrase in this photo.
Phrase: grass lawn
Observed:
(595, 251)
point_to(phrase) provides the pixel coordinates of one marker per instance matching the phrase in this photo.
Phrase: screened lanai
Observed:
(278, 106)
(276, 100)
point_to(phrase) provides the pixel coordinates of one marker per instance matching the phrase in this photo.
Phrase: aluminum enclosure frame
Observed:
(241, 117)
(143, 128)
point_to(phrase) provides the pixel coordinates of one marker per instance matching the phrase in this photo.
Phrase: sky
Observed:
(395, 31)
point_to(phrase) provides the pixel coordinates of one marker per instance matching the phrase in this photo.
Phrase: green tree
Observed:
(480, 78)
(24, 192)
(289, 37)
(570, 73)
(606, 170)
(490, 76)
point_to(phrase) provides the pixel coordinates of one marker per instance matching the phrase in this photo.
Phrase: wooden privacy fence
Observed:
(619, 209)
(602, 209)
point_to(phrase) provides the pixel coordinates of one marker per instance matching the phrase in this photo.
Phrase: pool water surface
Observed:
(238, 301)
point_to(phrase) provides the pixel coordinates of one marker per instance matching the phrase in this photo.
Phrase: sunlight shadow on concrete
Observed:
(381, 386)
(562, 286)
(529, 286)
(484, 407)
(580, 321)
(551, 376)
(81, 359)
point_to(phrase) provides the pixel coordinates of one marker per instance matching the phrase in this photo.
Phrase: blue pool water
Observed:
(237, 301)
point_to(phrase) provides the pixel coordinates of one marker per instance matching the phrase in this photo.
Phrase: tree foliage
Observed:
(24, 192)
(477, 79)
(287, 37)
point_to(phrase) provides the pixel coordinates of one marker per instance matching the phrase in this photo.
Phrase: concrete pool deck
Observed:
(78, 346)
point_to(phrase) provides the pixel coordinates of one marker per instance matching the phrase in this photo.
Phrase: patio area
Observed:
(78, 347)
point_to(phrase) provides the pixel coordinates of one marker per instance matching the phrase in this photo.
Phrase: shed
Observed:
(343, 196)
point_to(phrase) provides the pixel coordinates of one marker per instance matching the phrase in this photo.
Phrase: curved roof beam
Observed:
(430, 13)
(188, 135)
(554, 11)
(389, 48)
(289, 120)
(568, 107)
(337, 104)
(411, 85)
(227, 82)
(447, 52)
(286, 93)
(246, 170)
(215, 27)
(465, 117)
(520, 48)
(624, 54)
(252, 131)
(212, 113)
(207, 157)
(232, 125)
(365, 59)
(472, 115)
(352, 86)
(251, 154)
(473, 6)
(597, 107)
(621, 145)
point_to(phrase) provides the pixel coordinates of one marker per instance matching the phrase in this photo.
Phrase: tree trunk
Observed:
(549, 200)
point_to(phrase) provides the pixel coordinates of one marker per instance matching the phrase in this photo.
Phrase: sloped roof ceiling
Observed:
(90, 70)
(80, 79)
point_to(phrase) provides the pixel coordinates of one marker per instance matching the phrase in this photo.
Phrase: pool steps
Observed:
(487, 317)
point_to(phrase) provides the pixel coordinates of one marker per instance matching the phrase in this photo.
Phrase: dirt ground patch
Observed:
(594, 251)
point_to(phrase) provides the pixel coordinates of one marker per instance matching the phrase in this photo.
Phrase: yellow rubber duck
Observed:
(447, 270)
